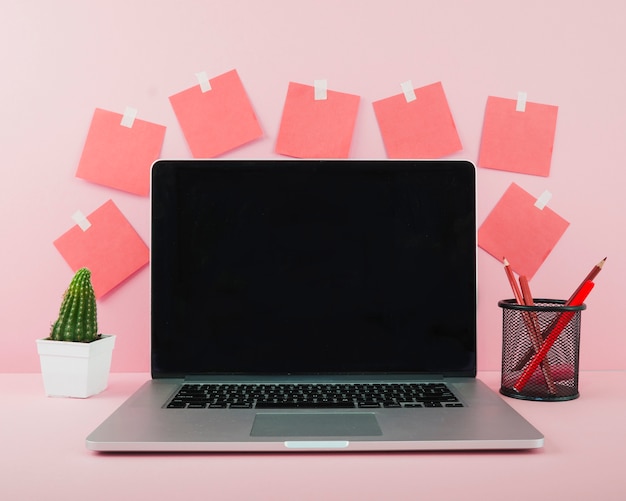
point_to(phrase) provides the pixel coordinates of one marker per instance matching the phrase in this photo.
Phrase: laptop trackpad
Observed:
(315, 425)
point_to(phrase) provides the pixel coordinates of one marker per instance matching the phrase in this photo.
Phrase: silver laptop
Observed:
(313, 305)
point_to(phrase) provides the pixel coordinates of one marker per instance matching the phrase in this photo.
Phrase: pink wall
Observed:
(62, 59)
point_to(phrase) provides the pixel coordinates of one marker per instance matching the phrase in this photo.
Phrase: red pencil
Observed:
(532, 325)
(535, 333)
(590, 276)
(517, 293)
(564, 319)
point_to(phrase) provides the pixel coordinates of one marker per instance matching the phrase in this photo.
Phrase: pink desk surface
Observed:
(43, 456)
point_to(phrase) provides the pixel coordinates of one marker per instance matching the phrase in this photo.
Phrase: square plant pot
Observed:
(72, 369)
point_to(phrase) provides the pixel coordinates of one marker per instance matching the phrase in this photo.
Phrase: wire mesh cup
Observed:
(530, 330)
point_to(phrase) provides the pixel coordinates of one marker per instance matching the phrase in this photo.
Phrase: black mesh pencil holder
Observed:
(527, 332)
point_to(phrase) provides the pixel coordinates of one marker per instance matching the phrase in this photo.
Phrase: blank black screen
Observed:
(313, 267)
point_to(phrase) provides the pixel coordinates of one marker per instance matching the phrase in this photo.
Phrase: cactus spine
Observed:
(78, 315)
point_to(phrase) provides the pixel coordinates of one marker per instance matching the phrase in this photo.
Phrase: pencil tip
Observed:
(601, 263)
(505, 261)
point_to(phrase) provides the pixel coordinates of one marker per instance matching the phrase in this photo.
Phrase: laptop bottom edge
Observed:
(144, 424)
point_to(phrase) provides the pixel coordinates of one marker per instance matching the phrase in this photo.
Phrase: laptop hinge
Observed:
(316, 377)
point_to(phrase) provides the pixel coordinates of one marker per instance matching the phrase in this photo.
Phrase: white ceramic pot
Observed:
(75, 369)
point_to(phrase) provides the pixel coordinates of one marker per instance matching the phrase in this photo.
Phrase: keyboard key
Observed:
(304, 405)
(433, 404)
(391, 405)
(241, 405)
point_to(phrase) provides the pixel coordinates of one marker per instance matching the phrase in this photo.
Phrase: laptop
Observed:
(313, 305)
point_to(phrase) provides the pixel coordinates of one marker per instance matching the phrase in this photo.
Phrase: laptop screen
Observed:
(313, 267)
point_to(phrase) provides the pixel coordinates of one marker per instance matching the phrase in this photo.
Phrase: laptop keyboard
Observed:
(313, 396)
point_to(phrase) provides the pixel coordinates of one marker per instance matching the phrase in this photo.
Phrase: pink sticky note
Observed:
(313, 128)
(516, 229)
(422, 128)
(517, 141)
(217, 120)
(110, 247)
(119, 156)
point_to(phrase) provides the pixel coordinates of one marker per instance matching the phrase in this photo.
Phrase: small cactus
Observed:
(78, 315)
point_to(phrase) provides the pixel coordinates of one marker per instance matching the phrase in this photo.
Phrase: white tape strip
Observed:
(129, 117)
(321, 88)
(81, 220)
(407, 89)
(203, 80)
(521, 101)
(543, 200)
